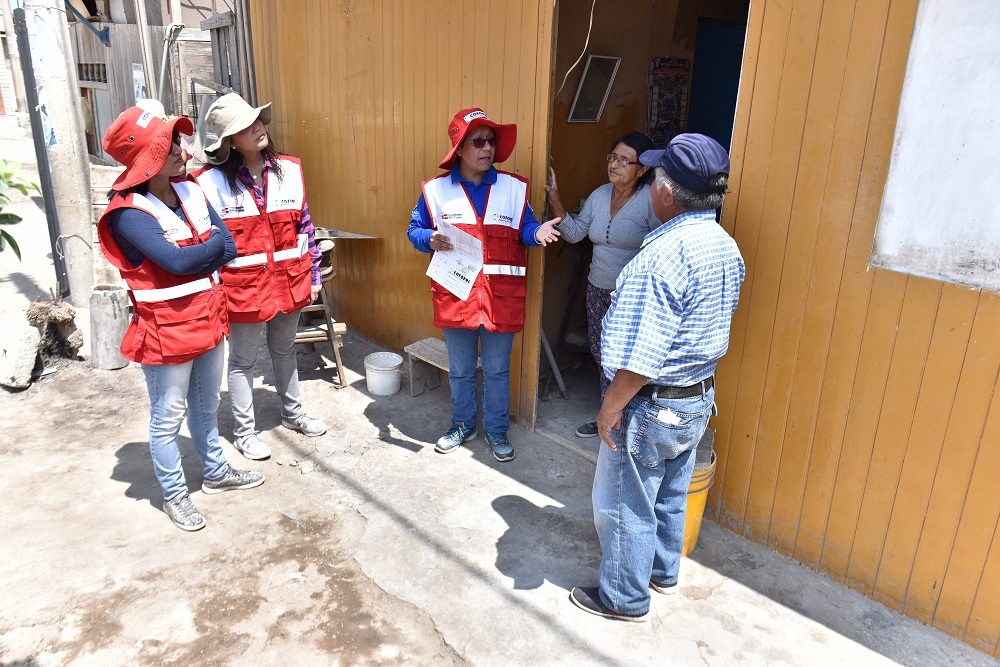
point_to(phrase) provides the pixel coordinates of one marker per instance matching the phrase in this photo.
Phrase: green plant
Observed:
(9, 178)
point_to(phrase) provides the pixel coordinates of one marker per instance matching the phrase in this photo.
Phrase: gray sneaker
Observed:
(183, 513)
(304, 424)
(233, 480)
(252, 447)
(455, 436)
(503, 451)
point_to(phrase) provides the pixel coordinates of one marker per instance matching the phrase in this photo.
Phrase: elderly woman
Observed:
(492, 206)
(166, 240)
(617, 216)
(260, 194)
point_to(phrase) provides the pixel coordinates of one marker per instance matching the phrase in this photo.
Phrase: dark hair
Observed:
(139, 188)
(231, 167)
(640, 143)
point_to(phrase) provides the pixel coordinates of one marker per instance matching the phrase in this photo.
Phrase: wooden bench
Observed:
(426, 357)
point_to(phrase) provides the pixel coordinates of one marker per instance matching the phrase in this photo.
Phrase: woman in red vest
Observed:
(167, 242)
(474, 197)
(261, 196)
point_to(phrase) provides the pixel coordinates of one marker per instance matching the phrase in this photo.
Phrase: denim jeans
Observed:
(640, 496)
(463, 352)
(244, 343)
(173, 389)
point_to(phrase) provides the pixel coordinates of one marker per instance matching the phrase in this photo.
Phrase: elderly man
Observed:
(664, 334)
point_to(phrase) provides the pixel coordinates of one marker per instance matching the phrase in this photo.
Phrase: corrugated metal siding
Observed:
(363, 93)
(858, 427)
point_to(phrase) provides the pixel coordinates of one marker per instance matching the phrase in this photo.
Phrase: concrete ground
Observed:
(363, 547)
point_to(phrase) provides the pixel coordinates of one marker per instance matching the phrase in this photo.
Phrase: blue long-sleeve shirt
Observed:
(140, 237)
(421, 227)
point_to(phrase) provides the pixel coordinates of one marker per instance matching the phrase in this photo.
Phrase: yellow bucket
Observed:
(701, 482)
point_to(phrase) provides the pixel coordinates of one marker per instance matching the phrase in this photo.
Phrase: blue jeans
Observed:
(244, 343)
(463, 353)
(640, 496)
(174, 389)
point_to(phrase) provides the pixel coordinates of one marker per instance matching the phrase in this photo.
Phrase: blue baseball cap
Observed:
(691, 160)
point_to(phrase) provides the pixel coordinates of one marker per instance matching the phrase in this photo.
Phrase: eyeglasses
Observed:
(611, 157)
(482, 141)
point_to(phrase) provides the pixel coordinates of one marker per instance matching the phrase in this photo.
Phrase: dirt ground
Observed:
(363, 546)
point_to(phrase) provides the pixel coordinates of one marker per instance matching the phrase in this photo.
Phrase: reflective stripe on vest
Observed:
(504, 270)
(294, 253)
(261, 257)
(175, 292)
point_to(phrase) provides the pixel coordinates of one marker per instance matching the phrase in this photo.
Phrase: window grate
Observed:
(94, 72)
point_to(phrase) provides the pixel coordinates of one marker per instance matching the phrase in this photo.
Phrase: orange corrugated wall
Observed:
(858, 425)
(363, 93)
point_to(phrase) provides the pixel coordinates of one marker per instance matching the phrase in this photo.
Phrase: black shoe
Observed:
(588, 430)
(589, 600)
(663, 589)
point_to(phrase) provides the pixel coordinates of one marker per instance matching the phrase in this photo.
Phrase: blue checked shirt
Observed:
(673, 304)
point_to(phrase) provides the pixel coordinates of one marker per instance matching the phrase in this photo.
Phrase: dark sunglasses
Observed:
(482, 141)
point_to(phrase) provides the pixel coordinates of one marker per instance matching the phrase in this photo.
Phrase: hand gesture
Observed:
(552, 190)
(547, 232)
(440, 242)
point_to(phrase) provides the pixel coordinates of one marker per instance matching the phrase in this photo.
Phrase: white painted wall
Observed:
(940, 214)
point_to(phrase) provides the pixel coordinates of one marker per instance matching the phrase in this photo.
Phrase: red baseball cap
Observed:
(141, 141)
(468, 120)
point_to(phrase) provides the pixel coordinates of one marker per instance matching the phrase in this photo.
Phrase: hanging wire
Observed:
(585, 44)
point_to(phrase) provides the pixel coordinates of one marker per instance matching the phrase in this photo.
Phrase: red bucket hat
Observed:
(141, 140)
(468, 120)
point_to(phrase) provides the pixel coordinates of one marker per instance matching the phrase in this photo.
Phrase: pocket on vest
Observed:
(507, 302)
(503, 245)
(283, 224)
(189, 328)
(243, 286)
(240, 229)
(300, 278)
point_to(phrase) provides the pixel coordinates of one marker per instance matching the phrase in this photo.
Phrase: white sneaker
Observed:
(252, 447)
(304, 424)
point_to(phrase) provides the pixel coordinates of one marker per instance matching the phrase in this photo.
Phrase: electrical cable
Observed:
(585, 44)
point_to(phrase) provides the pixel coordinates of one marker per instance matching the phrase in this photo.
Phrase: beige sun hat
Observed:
(228, 115)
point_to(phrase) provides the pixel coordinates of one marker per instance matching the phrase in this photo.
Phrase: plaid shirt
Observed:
(305, 225)
(671, 310)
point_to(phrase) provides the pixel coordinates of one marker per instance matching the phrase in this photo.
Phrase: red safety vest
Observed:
(175, 318)
(497, 297)
(273, 270)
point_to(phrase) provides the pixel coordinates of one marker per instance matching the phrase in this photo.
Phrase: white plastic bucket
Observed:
(382, 373)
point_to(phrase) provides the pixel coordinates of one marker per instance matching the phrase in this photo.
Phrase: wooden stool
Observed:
(426, 357)
(328, 330)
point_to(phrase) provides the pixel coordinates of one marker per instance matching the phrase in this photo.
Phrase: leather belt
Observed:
(663, 391)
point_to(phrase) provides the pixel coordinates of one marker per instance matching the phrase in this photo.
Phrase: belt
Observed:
(663, 391)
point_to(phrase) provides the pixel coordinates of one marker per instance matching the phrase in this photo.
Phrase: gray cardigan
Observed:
(616, 241)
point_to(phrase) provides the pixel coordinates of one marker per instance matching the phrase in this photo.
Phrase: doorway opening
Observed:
(679, 71)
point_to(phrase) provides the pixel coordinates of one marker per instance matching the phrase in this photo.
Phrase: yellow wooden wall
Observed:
(363, 91)
(859, 429)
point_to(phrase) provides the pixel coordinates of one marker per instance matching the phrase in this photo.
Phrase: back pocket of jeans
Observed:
(656, 440)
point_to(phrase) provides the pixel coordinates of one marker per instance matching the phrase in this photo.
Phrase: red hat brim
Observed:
(151, 159)
(505, 146)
